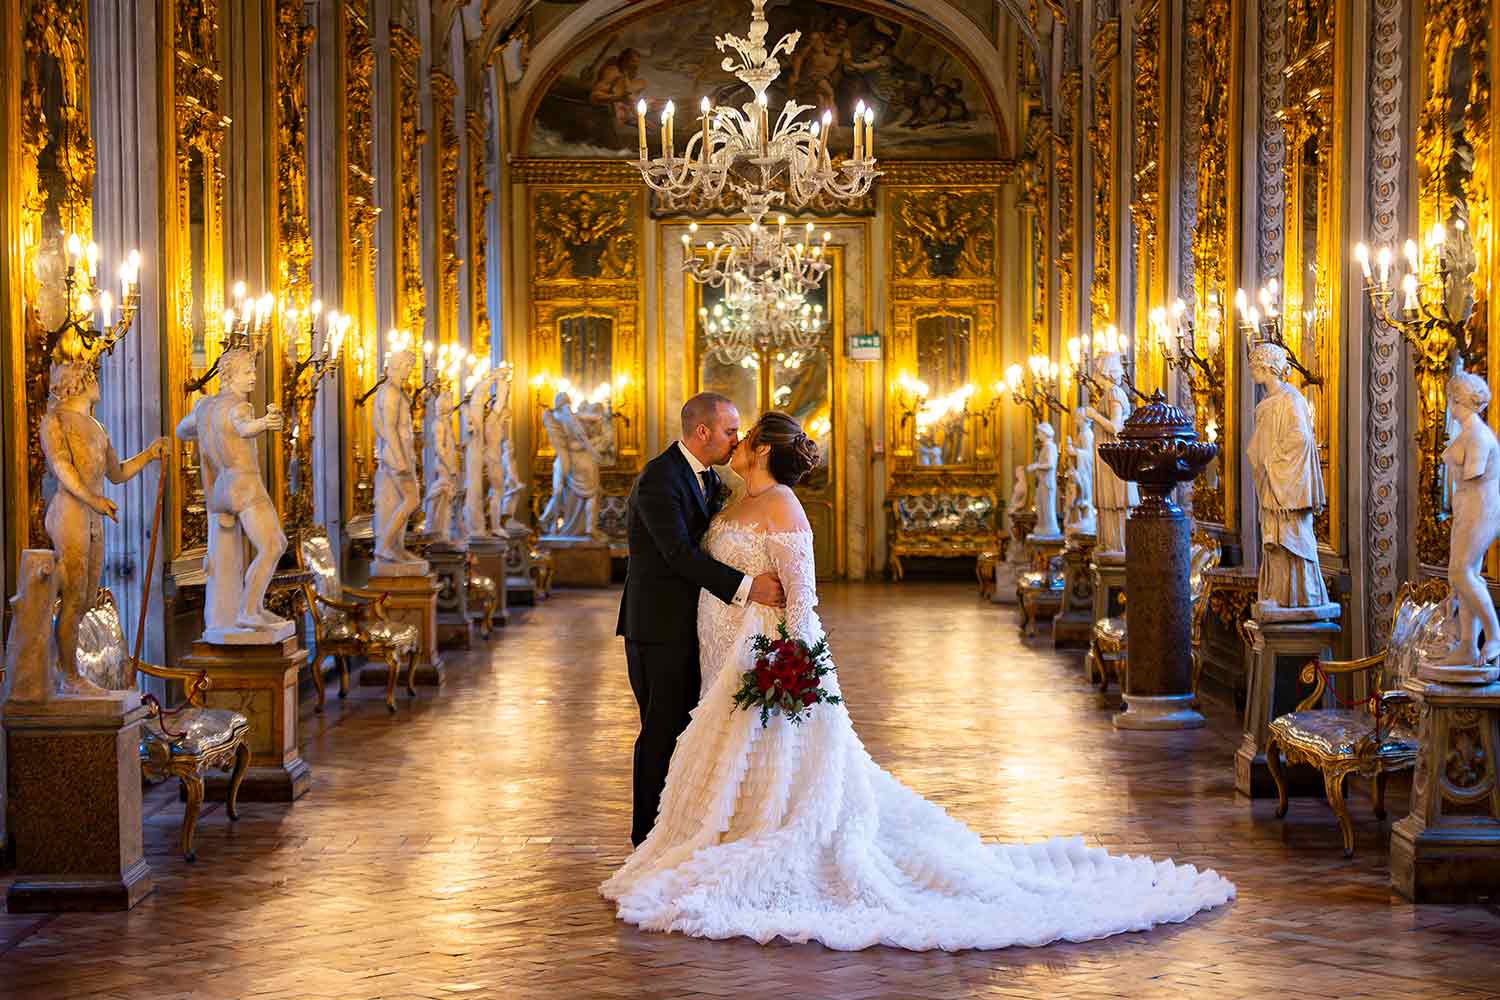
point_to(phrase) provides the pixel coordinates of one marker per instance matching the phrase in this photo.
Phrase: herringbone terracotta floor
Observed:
(453, 850)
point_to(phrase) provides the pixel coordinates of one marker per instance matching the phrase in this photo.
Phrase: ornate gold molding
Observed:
(476, 123)
(942, 234)
(443, 93)
(57, 185)
(1105, 48)
(361, 260)
(584, 235)
(406, 53)
(1455, 182)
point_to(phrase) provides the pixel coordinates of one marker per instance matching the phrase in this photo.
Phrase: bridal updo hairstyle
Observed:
(793, 454)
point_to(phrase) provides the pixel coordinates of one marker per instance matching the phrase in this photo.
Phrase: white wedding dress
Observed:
(793, 831)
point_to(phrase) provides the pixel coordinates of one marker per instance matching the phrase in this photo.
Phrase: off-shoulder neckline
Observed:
(753, 528)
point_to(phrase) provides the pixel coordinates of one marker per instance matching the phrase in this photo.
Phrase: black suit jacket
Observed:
(666, 518)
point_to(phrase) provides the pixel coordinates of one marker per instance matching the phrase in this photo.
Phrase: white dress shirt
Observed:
(741, 596)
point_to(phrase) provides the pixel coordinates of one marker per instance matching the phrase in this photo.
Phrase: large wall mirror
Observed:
(798, 380)
(944, 364)
(586, 352)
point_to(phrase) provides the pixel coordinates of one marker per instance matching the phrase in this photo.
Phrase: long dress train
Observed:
(794, 831)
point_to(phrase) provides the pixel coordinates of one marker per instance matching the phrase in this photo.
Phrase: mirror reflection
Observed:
(586, 345)
(198, 254)
(943, 350)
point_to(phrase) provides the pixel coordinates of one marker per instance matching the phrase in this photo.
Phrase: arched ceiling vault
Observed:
(597, 17)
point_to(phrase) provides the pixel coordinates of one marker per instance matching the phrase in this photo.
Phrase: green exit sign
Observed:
(864, 347)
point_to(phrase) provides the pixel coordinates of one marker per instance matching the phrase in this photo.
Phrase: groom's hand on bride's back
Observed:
(766, 589)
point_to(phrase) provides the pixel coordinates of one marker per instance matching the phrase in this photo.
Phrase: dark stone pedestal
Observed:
(74, 793)
(1278, 652)
(1073, 627)
(450, 565)
(1158, 685)
(410, 600)
(1447, 850)
(259, 682)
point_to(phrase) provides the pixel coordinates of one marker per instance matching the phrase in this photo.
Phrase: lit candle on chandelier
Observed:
(707, 107)
(640, 121)
(764, 123)
(823, 136)
(859, 114)
(666, 130)
(869, 133)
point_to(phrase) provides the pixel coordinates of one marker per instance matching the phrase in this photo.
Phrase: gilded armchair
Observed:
(179, 743)
(483, 592)
(1373, 737)
(350, 622)
(1106, 655)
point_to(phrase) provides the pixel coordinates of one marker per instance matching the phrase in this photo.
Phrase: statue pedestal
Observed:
(74, 795)
(410, 600)
(1073, 627)
(1447, 850)
(578, 562)
(1107, 579)
(259, 682)
(450, 564)
(1278, 652)
(520, 585)
(489, 555)
(1158, 683)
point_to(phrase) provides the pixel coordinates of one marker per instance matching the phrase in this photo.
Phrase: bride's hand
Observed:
(766, 589)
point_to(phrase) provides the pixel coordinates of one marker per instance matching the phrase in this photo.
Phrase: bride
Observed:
(793, 831)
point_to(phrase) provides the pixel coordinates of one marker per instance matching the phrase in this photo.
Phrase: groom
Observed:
(675, 497)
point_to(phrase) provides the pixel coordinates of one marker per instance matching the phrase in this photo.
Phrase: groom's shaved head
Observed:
(702, 410)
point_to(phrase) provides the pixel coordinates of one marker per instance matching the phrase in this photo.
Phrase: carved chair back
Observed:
(1205, 555)
(317, 555)
(103, 654)
(1424, 618)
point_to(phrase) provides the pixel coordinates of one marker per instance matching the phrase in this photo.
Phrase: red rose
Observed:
(764, 682)
(809, 697)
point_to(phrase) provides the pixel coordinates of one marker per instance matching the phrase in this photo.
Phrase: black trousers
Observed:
(664, 677)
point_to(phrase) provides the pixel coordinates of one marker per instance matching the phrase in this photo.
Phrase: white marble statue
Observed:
(500, 459)
(79, 458)
(573, 510)
(476, 455)
(1080, 519)
(1007, 570)
(239, 508)
(442, 484)
(1113, 496)
(1283, 458)
(31, 662)
(397, 493)
(1045, 469)
(1473, 461)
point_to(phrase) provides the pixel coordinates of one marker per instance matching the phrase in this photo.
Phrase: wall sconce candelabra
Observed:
(441, 365)
(245, 328)
(1035, 387)
(1261, 324)
(1437, 294)
(322, 361)
(84, 297)
(611, 397)
(909, 395)
(1178, 343)
(395, 340)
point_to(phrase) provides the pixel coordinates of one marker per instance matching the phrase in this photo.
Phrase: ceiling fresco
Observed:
(927, 101)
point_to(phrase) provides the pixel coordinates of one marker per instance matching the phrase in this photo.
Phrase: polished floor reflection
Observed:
(453, 850)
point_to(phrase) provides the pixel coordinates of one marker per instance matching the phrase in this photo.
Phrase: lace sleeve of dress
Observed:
(791, 553)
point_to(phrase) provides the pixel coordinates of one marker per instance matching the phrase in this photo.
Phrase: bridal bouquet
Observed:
(785, 676)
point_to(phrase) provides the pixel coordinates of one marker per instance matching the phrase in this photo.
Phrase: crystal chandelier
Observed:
(757, 318)
(738, 148)
(759, 253)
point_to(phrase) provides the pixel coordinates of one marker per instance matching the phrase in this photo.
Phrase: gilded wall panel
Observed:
(1147, 205)
(56, 164)
(1454, 159)
(195, 244)
(1312, 250)
(1101, 137)
(443, 93)
(411, 299)
(477, 124)
(585, 272)
(361, 259)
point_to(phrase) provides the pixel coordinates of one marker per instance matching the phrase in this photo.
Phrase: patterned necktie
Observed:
(706, 476)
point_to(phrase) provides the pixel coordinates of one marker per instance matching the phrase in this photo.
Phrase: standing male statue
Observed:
(397, 492)
(239, 507)
(1283, 457)
(442, 490)
(500, 459)
(476, 452)
(1080, 508)
(80, 457)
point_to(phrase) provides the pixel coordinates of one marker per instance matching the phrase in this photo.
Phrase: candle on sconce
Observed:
(91, 257)
(105, 304)
(1409, 286)
(75, 247)
(1384, 259)
(1413, 261)
(1362, 254)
